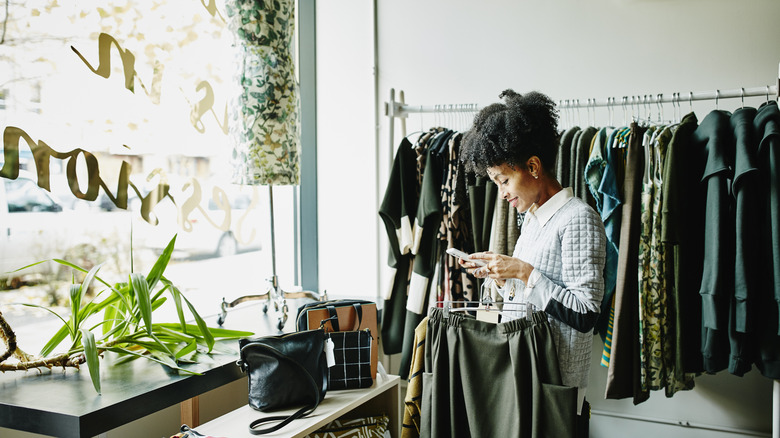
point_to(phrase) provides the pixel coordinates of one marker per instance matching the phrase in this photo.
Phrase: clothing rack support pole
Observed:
(776, 409)
(776, 383)
(403, 119)
(273, 234)
(390, 111)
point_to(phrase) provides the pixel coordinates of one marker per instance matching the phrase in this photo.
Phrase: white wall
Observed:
(457, 51)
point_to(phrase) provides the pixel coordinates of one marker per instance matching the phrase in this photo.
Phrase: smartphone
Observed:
(463, 256)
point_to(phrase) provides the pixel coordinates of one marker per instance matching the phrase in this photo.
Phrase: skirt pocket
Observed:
(555, 412)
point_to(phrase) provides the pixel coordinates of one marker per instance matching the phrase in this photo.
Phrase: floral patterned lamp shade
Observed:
(265, 109)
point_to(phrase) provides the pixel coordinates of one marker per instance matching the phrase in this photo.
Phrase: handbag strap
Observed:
(285, 420)
(334, 319)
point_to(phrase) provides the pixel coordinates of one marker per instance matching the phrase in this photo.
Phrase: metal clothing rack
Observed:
(399, 109)
(273, 293)
(674, 98)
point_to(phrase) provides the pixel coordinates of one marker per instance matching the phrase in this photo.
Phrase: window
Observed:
(35, 97)
(24, 196)
(126, 130)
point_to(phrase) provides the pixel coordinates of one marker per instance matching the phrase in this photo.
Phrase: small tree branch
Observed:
(28, 361)
(5, 25)
(9, 338)
(62, 360)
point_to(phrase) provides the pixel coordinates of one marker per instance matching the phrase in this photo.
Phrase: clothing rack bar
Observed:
(675, 98)
(403, 110)
(399, 109)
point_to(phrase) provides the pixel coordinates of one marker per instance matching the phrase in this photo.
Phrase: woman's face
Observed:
(515, 185)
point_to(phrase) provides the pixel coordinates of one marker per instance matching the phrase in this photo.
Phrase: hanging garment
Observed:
(398, 211)
(571, 179)
(681, 224)
(482, 198)
(399, 205)
(610, 190)
(413, 398)
(647, 269)
(428, 249)
(713, 140)
(746, 193)
(512, 365)
(594, 172)
(482, 195)
(611, 187)
(505, 230)
(427, 225)
(623, 378)
(579, 161)
(587, 196)
(659, 340)
(594, 167)
(455, 229)
(767, 129)
(264, 120)
(606, 352)
(563, 158)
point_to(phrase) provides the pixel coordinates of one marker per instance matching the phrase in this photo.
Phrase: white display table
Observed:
(384, 397)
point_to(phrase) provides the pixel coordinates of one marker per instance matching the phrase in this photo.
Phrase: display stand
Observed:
(273, 294)
(384, 397)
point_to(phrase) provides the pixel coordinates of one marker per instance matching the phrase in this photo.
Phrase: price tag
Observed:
(492, 316)
(329, 357)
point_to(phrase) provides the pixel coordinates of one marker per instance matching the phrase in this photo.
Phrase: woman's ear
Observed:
(534, 166)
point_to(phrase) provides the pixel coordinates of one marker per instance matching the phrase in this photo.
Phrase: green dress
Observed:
(657, 337)
(264, 113)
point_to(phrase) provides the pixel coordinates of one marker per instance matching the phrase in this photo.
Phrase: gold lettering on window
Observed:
(203, 106)
(104, 60)
(211, 7)
(42, 155)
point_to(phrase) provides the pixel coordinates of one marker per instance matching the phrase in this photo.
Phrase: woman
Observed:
(558, 261)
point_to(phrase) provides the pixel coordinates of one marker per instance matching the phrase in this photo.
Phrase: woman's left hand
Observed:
(500, 267)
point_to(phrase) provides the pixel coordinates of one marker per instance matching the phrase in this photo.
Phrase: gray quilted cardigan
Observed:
(567, 247)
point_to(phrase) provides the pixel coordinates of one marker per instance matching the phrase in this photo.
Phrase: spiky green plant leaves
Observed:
(91, 356)
(127, 326)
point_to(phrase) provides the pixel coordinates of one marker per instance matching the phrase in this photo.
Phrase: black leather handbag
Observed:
(284, 371)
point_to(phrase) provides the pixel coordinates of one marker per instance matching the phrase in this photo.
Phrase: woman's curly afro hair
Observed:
(511, 133)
